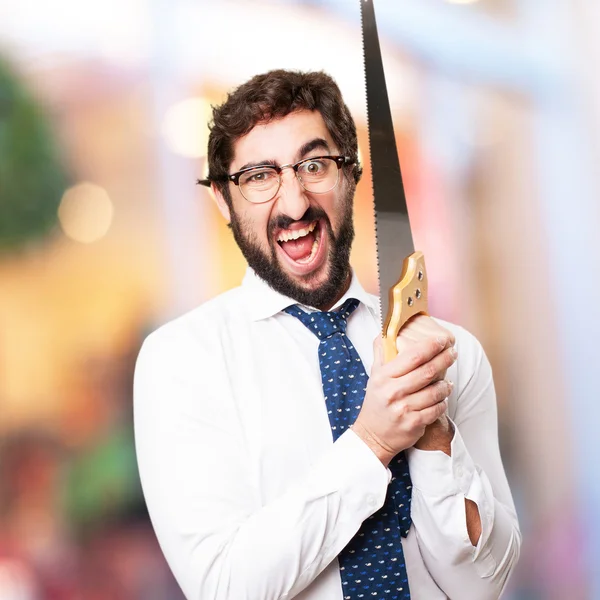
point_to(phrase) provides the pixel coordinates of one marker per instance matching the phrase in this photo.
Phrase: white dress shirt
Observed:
(249, 496)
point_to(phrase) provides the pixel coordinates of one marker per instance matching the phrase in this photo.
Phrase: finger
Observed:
(410, 333)
(433, 370)
(416, 355)
(430, 396)
(412, 356)
(412, 329)
(431, 414)
(405, 341)
(421, 326)
(418, 324)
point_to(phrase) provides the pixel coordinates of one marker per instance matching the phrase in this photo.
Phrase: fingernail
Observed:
(442, 342)
(453, 352)
(451, 384)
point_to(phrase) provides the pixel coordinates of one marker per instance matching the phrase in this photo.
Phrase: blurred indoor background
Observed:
(104, 236)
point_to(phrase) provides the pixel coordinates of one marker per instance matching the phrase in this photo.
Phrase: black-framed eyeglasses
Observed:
(317, 175)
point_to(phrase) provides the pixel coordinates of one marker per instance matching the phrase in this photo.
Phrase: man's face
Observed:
(298, 242)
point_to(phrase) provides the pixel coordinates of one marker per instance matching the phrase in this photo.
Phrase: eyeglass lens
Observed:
(316, 176)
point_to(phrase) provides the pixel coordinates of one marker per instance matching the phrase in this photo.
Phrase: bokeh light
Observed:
(85, 213)
(185, 127)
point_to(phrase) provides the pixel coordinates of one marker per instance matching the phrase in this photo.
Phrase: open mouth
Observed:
(302, 246)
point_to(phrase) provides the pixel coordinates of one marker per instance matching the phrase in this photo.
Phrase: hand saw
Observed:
(402, 274)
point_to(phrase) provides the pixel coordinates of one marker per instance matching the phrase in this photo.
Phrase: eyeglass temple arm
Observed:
(209, 182)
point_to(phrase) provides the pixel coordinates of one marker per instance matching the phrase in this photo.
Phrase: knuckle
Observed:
(449, 357)
(429, 372)
(417, 356)
(397, 392)
(443, 338)
(436, 344)
(433, 417)
(432, 414)
(446, 333)
(391, 392)
(424, 419)
(401, 410)
(443, 389)
(417, 420)
(438, 393)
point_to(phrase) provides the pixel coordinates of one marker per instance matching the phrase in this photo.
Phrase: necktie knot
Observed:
(325, 324)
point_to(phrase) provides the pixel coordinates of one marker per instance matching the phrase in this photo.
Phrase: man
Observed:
(262, 479)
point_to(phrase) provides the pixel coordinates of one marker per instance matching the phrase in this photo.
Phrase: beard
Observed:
(266, 265)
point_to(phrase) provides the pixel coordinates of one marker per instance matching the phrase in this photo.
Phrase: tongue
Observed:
(300, 248)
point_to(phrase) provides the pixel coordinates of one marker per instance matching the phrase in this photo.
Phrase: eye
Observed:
(258, 177)
(314, 167)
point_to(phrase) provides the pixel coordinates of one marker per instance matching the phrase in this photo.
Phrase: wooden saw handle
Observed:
(407, 299)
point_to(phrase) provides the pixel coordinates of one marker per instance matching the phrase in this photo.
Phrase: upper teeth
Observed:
(287, 235)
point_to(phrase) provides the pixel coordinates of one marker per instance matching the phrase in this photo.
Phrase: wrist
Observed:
(384, 454)
(437, 436)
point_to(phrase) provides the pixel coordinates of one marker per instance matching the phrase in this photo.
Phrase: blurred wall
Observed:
(497, 127)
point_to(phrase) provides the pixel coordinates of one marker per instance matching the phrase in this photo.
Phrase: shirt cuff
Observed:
(353, 471)
(436, 475)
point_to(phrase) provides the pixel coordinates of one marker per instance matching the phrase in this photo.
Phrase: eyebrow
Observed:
(314, 144)
(260, 163)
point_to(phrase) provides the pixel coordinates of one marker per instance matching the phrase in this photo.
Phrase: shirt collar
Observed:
(264, 302)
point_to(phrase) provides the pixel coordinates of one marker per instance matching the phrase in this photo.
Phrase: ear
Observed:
(221, 203)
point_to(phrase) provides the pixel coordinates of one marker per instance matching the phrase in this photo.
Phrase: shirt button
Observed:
(459, 472)
(371, 500)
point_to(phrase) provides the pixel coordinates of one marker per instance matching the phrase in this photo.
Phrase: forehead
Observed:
(280, 140)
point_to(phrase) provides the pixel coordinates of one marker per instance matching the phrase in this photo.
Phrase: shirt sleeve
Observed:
(473, 471)
(199, 482)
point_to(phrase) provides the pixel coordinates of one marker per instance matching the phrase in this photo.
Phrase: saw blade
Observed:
(393, 233)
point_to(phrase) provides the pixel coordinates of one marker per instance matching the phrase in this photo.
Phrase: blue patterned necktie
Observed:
(372, 564)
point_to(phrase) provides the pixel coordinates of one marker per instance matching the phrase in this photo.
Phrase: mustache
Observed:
(312, 213)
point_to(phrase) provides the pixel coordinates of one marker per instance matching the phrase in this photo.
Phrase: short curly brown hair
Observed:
(274, 95)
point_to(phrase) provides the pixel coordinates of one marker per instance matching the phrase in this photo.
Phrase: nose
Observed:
(291, 197)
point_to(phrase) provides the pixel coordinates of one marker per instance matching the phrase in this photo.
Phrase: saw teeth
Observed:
(369, 149)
